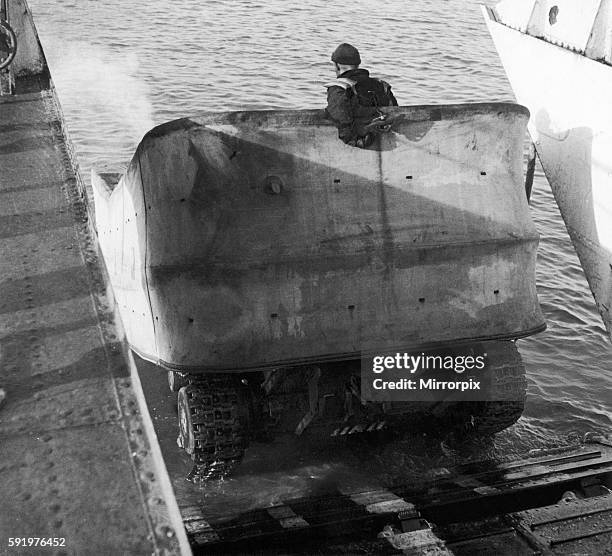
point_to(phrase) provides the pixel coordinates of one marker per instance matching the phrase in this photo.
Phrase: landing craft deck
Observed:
(516, 509)
(79, 465)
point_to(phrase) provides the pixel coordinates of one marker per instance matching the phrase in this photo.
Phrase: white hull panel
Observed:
(568, 96)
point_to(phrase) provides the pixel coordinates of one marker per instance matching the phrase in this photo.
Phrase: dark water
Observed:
(121, 68)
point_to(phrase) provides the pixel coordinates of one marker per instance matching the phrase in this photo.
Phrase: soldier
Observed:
(354, 98)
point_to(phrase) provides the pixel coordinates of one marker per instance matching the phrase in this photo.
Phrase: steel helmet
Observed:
(346, 54)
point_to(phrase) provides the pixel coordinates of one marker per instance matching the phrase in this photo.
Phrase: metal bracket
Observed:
(313, 400)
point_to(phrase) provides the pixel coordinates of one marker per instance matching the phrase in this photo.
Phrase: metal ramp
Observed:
(556, 503)
(80, 463)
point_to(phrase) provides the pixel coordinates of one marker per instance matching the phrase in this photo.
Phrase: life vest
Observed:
(366, 93)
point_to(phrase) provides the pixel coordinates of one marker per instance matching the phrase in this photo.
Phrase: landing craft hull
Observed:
(247, 240)
(568, 95)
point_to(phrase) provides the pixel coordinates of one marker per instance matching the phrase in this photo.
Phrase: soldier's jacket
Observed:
(347, 111)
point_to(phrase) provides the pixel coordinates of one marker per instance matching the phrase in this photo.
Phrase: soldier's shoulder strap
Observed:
(343, 82)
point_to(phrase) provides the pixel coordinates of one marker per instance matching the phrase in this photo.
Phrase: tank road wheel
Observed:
(177, 380)
(508, 391)
(211, 427)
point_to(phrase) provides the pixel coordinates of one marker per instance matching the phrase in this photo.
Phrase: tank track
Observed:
(508, 393)
(218, 411)
(211, 425)
(493, 417)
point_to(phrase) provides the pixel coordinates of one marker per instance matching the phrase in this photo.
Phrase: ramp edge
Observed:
(156, 486)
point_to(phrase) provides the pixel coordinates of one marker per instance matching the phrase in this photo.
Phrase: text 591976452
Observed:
(36, 541)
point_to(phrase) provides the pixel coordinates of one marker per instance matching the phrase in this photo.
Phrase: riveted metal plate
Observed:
(85, 402)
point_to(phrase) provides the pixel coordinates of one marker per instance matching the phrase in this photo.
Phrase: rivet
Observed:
(167, 531)
(273, 185)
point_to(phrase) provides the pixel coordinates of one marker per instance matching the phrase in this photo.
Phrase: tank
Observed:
(254, 255)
